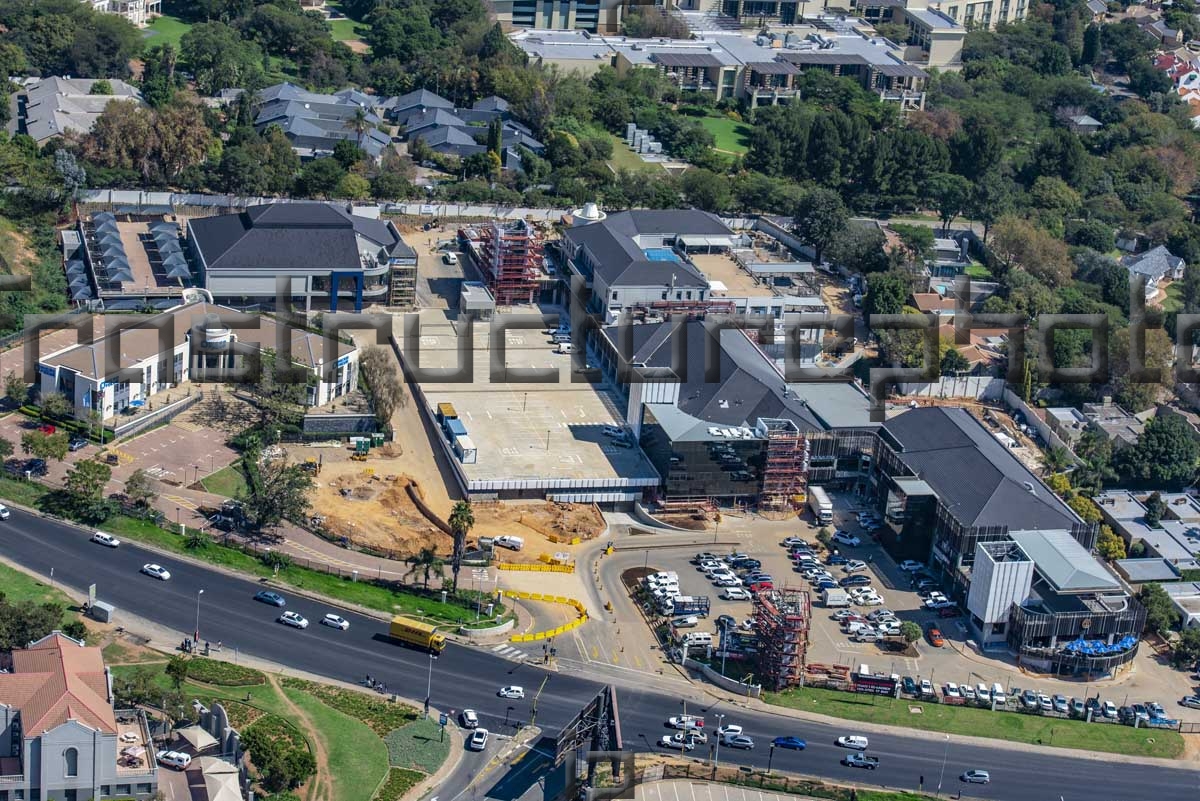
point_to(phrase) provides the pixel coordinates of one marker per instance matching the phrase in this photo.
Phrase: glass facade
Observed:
(728, 469)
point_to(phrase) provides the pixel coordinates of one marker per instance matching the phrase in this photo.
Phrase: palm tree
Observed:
(427, 561)
(461, 521)
(1056, 460)
(359, 124)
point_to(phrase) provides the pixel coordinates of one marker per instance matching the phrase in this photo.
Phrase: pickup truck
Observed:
(860, 761)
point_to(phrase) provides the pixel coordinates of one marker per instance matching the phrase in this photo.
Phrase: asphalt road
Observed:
(465, 677)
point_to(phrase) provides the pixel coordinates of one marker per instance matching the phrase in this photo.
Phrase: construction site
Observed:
(785, 468)
(781, 619)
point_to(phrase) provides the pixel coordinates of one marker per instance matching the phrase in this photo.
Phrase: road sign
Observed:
(442, 719)
(91, 595)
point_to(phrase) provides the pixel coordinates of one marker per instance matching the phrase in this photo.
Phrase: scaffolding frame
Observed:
(512, 255)
(785, 466)
(782, 618)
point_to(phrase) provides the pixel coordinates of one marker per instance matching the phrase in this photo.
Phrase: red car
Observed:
(46, 429)
(759, 586)
(949, 611)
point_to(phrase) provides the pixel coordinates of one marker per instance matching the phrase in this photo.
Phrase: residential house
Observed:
(460, 132)
(186, 343)
(1067, 422)
(934, 303)
(64, 740)
(314, 123)
(1098, 9)
(1175, 539)
(1168, 36)
(138, 12)
(1115, 424)
(1084, 124)
(327, 252)
(49, 107)
(1158, 266)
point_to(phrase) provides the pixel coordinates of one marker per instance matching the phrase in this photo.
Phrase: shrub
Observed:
(399, 782)
(226, 674)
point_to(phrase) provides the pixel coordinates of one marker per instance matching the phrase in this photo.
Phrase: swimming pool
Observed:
(661, 254)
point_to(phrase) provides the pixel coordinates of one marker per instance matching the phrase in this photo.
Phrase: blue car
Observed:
(794, 743)
(826, 584)
(837, 559)
(272, 598)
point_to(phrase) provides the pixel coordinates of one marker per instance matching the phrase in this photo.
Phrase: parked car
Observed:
(685, 722)
(951, 690)
(294, 619)
(968, 692)
(949, 610)
(860, 761)
(107, 540)
(704, 556)
(726, 621)
(926, 687)
(792, 743)
(1109, 710)
(1060, 703)
(268, 597)
(791, 542)
(1045, 703)
(729, 730)
(856, 581)
(837, 559)
(733, 557)
(47, 429)
(1190, 701)
(854, 566)
(174, 759)
(909, 565)
(1029, 699)
(1077, 708)
(976, 777)
(908, 686)
(36, 467)
(846, 538)
(736, 594)
(761, 586)
(746, 564)
(77, 444)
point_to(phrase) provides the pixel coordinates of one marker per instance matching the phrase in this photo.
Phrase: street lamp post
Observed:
(197, 631)
(717, 752)
(942, 775)
(429, 684)
(770, 756)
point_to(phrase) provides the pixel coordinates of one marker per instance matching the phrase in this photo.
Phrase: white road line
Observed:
(500, 647)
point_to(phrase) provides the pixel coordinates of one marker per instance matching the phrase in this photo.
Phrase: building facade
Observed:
(595, 16)
(63, 739)
(138, 12)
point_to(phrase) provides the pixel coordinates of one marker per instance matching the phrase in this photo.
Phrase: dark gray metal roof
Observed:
(774, 68)
(901, 71)
(686, 59)
(822, 57)
(976, 477)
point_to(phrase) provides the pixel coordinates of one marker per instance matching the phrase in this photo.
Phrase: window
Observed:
(105, 789)
(614, 297)
(144, 789)
(18, 795)
(71, 761)
(122, 789)
(71, 795)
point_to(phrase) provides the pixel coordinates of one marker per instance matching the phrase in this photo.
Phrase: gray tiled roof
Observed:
(1154, 263)
(976, 477)
(55, 106)
(620, 262)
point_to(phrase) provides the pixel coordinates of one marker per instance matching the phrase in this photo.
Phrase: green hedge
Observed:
(399, 782)
(225, 674)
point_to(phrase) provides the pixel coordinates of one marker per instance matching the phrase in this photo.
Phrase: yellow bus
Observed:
(417, 634)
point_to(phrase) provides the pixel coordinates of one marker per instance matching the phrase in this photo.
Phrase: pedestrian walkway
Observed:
(694, 790)
(512, 653)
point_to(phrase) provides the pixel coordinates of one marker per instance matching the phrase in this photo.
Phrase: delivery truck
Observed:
(685, 605)
(423, 636)
(835, 598)
(821, 505)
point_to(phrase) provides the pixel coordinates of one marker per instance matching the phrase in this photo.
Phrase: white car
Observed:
(478, 740)
(512, 691)
(470, 720)
(335, 622)
(952, 690)
(174, 759)
(685, 722)
(729, 730)
(870, 600)
(854, 565)
(156, 571)
(294, 619)
(845, 538)
(855, 741)
(736, 594)
(107, 540)
(968, 692)
(909, 565)
(4, 513)
(985, 695)
(733, 557)
(669, 741)
(791, 542)
(728, 581)
(711, 567)
(926, 687)
(889, 628)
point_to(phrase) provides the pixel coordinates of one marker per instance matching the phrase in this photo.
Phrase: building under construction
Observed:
(781, 619)
(785, 464)
(511, 259)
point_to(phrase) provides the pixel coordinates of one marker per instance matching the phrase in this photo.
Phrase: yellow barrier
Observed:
(558, 599)
(538, 568)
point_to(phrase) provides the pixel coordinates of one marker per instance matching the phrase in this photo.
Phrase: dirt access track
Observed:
(368, 503)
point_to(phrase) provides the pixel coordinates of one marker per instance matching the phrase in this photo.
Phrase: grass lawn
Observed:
(358, 759)
(228, 481)
(1173, 302)
(166, 30)
(345, 29)
(1013, 726)
(732, 136)
(978, 271)
(18, 586)
(418, 746)
(625, 159)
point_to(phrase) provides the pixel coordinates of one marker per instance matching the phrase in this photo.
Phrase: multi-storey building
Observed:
(139, 12)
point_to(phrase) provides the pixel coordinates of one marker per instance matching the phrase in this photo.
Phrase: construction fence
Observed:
(554, 599)
(540, 567)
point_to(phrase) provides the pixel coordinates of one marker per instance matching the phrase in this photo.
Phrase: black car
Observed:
(36, 466)
(223, 523)
(855, 581)
(746, 564)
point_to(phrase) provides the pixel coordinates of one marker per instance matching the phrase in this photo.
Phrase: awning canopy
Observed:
(196, 737)
(705, 241)
(220, 780)
(781, 268)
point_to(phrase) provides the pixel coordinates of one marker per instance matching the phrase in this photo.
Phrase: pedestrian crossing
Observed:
(510, 653)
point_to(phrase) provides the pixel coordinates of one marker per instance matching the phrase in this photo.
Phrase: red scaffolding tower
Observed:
(511, 256)
(786, 464)
(781, 619)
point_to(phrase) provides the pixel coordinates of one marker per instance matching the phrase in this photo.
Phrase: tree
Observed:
(1091, 46)
(886, 294)
(1109, 545)
(23, 622)
(953, 362)
(1160, 611)
(1059, 484)
(1057, 459)
(1085, 507)
(352, 187)
(910, 631)
(181, 135)
(320, 178)
(177, 670)
(991, 197)
(84, 491)
(281, 765)
(220, 58)
(347, 153)
(859, 248)
(404, 35)
(70, 172)
(15, 388)
(1164, 456)
(1020, 245)
(706, 190)
(45, 446)
(139, 489)
(101, 87)
(1156, 507)
(378, 369)
(428, 562)
(6, 449)
(56, 406)
(819, 216)
(950, 194)
(461, 521)
(1137, 396)
(1186, 653)
(277, 491)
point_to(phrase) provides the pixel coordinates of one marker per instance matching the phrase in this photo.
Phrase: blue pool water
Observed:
(661, 254)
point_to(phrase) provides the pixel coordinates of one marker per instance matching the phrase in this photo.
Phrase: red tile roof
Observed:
(55, 680)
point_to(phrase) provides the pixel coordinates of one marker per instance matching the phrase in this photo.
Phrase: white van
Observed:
(999, 698)
(698, 638)
(450, 258)
(565, 347)
(509, 541)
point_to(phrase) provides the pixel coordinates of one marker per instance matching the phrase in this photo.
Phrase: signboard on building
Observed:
(45, 370)
(875, 685)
